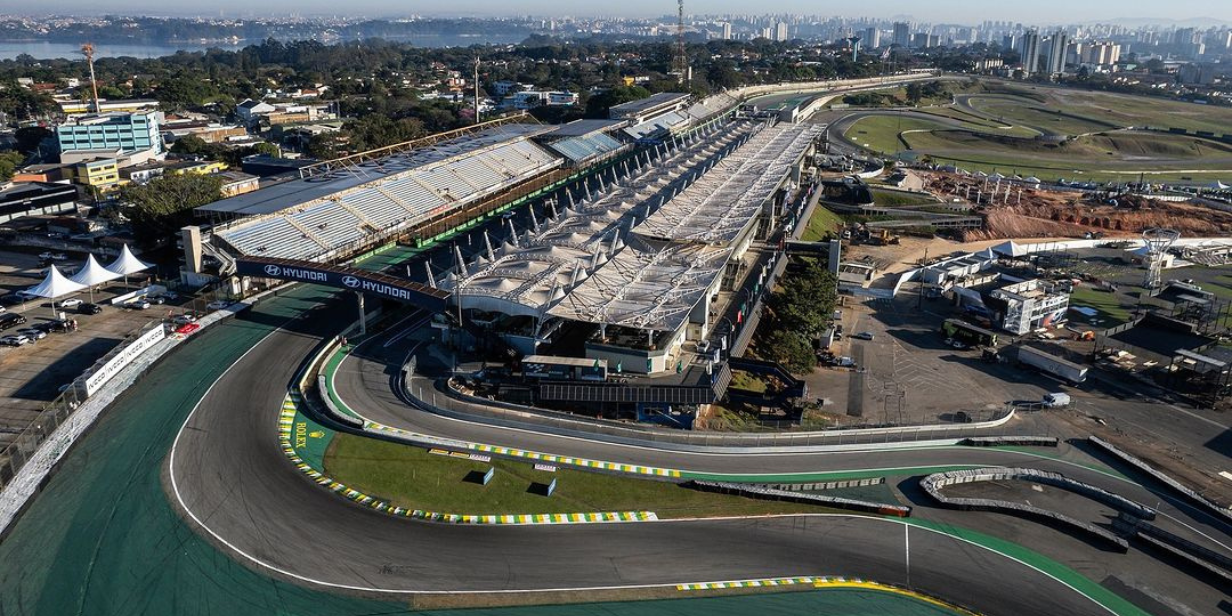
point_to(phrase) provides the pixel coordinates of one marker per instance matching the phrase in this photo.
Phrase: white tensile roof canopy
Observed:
(126, 263)
(93, 273)
(55, 285)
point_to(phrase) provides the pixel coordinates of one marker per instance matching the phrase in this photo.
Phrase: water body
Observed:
(45, 50)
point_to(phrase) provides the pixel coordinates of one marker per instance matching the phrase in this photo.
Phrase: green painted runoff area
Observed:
(827, 602)
(413, 478)
(310, 440)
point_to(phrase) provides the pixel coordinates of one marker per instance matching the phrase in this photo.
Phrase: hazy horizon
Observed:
(955, 11)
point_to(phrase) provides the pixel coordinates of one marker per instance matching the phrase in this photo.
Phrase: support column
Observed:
(363, 316)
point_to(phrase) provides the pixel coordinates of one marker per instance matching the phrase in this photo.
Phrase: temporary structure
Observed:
(93, 274)
(126, 264)
(54, 285)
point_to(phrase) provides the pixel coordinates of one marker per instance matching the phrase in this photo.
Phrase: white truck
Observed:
(1051, 364)
(1055, 400)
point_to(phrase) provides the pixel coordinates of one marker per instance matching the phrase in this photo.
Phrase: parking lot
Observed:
(31, 375)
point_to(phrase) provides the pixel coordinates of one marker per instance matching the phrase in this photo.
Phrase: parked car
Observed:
(157, 300)
(25, 295)
(71, 302)
(12, 299)
(32, 333)
(89, 309)
(864, 336)
(53, 326)
(184, 319)
(46, 256)
(218, 304)
(15, 340)
(9, 320)
(59, 256)
(137, 304)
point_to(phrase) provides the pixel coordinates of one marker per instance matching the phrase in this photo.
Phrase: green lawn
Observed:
(879, 133)
(746, 381)
(1112, 308)
(894, 198)
(822, 223)
(412, 478)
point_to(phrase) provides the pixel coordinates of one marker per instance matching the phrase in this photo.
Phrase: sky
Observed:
(933, 11)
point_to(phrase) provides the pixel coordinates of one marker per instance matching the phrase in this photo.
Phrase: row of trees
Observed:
(797, 312)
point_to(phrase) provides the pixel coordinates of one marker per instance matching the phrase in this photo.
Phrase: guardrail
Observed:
(423, 393)
(1222, 514)
(767, 493)
(933, 484)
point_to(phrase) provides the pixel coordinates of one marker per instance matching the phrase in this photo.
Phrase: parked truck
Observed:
(1051, 364)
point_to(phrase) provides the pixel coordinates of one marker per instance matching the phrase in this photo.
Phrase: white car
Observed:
(32, 334)
(71, 302)
(184, 319)
(218, 304)
(864, 336)
(15, 340)
(46, 256)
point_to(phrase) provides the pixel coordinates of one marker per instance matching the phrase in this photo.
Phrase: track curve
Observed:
(227, 473)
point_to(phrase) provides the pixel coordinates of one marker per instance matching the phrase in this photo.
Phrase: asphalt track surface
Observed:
(228, 473)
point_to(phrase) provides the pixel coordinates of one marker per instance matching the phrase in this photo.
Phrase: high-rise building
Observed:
(727, 31)
(1029, 49)
(902, 34)
(872, 38)
(1058, 45)
(130, 132)
(780, 31)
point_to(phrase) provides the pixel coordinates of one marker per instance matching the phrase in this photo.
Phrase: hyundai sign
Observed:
(344, 278)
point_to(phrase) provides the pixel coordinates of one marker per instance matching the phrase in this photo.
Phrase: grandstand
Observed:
(320, 216)
(642, 257)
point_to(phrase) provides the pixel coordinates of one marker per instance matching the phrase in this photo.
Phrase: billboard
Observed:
(353, 279)
(123, 358)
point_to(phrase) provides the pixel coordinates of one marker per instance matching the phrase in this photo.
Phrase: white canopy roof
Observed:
(55, 285)
(1011, 249)
(126, 263)
(93, 274)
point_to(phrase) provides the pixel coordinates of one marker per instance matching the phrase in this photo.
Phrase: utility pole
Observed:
(682, 59)
(920, 294)
(476, 88)
(87, 50)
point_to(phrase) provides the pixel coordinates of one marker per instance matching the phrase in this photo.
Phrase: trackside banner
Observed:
(345, 278)
(125, 357)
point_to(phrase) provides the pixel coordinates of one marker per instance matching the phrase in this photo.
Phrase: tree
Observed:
(9, 161)
(267, 148)
(791, 349)
(30, 137)
(598, 105)
(160, 207)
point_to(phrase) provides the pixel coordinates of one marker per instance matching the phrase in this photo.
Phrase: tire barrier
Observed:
(1206, 504)
(1189, 559)
(932, 484)
(766, 493)
(1142, 529)
(828, 485)
(286, 423)
(1018, 441)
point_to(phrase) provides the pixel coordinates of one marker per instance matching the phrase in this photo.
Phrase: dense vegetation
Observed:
(798, 310)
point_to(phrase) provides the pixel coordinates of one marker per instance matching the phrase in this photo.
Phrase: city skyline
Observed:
(954, 11)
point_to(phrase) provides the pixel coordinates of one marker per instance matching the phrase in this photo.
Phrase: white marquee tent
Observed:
(126, 264)
(93, 274)
(54, 285)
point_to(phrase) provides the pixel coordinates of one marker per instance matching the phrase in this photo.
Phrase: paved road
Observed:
(227, 469)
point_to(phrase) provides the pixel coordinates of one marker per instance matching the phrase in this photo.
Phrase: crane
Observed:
(87, 50)
(682, 60)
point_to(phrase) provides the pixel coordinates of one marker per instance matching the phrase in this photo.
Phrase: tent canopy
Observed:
(1011, 249)
(126, 263)
(55, 285)
(93, 274)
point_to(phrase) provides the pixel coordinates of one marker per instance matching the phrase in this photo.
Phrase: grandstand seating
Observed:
(581, 149)
(464, 175)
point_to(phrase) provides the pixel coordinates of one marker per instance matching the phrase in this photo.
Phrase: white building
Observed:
(1031, 305)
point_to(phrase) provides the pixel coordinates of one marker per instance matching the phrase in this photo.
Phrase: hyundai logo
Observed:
(350, 282)
(273, 270)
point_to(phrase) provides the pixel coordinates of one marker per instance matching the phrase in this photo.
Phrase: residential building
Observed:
(1058, 46)
(101, 173)
(872, 38)
(209, 132)
(727, 31)
(250, 111)
(128, 132)
(902, 34)
(780, 31)
(1029, 49)
(47, 174)
(237, 183)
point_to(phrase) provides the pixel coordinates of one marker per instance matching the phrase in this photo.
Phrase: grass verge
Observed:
(412, 478)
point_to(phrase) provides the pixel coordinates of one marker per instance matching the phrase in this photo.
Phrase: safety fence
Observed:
(1206, 504)
(424, 393)
(933, 485)
(768, 493)
(1010, 441)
